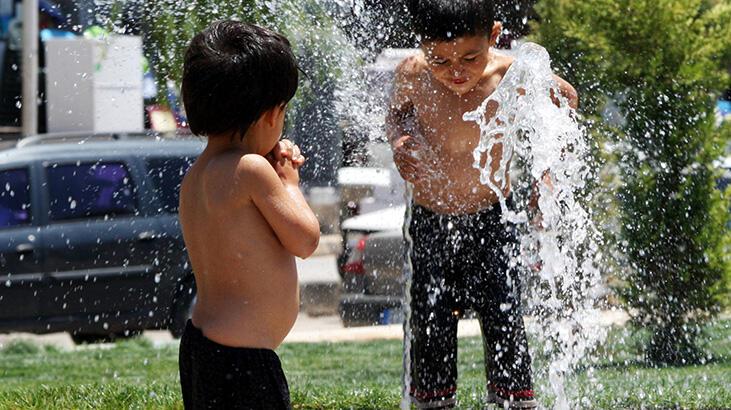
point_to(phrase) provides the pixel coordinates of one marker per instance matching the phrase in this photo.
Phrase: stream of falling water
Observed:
(406, 304)
(559, 239)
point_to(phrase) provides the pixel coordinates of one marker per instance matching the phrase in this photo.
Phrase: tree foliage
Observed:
(663, 63)
(169, 25)
(317, 43)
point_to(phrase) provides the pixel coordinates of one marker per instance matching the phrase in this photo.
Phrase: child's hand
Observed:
(290, 150)
(286, 158)
(413, 158)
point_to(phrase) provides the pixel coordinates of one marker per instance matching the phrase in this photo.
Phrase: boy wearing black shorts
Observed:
(461, 248)
(243, 216)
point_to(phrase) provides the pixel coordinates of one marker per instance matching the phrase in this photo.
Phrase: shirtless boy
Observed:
(243, 216)
(458, 256)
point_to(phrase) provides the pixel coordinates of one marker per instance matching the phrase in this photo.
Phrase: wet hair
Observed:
(233, 73)
(444, 20)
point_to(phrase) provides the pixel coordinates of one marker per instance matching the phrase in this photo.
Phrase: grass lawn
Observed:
(366, 375)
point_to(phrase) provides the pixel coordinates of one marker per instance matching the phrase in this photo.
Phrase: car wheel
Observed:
(183, 310)
(90, 338)
(356, 314)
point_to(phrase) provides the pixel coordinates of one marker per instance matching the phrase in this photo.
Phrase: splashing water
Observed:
(545, 141)
(408, 272)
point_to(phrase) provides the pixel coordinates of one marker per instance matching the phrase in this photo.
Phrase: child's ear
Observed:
(270, 116)
(497, 28)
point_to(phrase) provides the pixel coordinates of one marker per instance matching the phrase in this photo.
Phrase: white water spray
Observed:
(549, 146)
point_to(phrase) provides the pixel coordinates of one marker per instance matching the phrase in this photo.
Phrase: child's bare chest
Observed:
(440, 120)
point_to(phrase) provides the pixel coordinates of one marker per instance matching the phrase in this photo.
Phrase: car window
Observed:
(14, 198)
(90, 190)
(167, 175)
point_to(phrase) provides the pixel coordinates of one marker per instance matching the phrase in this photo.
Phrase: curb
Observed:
(330, 244)
(465, 328)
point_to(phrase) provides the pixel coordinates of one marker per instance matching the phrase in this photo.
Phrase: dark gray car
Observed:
(90, 241)
(372, 268)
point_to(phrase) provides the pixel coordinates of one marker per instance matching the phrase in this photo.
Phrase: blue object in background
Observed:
(49, 33)
(174, 103)
(6, 14)
(724, 107)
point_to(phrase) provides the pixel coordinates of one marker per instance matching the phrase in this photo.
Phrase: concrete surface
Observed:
(306, 329)
(320, 285)
(331, 244)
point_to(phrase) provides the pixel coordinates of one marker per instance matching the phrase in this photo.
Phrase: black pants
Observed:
(460, 263)
(214, 376)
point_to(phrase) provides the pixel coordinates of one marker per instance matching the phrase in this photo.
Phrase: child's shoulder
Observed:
(236, 168)
(501, 64)
(411, 68)
(246, 165)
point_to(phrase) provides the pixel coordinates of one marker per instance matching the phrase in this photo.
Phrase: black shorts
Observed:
(214, 376)
(460, 263)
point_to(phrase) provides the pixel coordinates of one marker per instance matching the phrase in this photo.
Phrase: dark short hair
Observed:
(233, 73)
(443, 20)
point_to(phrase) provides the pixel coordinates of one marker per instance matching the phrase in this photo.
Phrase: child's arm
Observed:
(276, 193)
(567, 90)
(409, 150)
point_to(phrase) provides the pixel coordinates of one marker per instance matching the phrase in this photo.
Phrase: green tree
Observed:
(169, 25)
(321, 49)
(662, 63)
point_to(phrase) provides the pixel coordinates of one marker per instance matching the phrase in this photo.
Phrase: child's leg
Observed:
(434, 328)
(507, 358)
(507, 361)
(433, 348)
(494, 293)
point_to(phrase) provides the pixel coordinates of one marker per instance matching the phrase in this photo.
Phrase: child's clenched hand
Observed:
(286, 158)
(413, 158)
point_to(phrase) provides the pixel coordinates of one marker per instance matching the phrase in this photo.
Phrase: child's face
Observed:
(459, 64)
(271, 126)
(278, 129)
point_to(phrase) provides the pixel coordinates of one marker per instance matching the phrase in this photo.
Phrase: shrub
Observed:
(663, 63)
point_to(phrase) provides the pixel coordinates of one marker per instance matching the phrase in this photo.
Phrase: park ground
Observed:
(140, 373)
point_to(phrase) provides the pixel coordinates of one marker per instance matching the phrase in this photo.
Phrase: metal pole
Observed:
(29, 65)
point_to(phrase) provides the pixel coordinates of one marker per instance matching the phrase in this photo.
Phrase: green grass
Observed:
(133, 374)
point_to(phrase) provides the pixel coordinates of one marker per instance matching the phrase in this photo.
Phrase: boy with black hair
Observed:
(243, 216)
(458, 257)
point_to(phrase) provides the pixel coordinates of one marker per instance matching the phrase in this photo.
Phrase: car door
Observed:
(20, 245)
(100, 249)
(165, 174)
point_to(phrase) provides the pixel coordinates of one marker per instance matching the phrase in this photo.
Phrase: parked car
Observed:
(90, 241)
(372, 268)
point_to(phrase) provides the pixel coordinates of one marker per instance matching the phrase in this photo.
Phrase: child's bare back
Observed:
(243, 216)
(246, 279)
